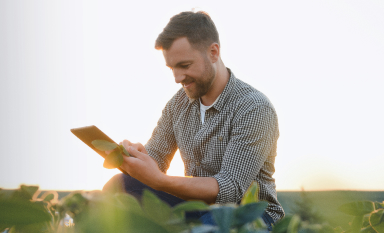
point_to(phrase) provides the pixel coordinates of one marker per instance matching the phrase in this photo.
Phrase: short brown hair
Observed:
(198, 27)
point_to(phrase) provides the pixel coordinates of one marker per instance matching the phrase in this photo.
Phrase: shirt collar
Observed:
(208, 107)
(224, 96)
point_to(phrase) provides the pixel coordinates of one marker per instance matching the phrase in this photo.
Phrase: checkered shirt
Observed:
(236, 144)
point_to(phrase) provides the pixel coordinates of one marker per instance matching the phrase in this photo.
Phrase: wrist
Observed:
(161, 182)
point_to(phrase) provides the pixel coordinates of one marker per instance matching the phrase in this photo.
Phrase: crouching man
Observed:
(225, 129)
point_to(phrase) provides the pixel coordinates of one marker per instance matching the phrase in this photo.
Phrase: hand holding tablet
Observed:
(103, 145)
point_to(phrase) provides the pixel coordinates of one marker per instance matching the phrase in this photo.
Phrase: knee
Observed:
(115, 184)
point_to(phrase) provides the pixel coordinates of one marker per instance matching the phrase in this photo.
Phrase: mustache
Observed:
(187, 80)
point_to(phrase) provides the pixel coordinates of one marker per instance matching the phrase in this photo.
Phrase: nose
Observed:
(179, 75)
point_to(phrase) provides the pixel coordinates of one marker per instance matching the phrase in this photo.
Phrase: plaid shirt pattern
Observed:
(236, 144)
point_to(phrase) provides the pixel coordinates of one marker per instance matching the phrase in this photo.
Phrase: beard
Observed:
(202, 84)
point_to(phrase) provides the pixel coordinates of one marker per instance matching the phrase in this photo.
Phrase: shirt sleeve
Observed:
(162, 144)
(252, 139)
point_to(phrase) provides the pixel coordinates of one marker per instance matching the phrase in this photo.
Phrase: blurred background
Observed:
(68, 64)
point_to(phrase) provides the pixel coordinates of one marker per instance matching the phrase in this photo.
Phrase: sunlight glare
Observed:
(177, 166)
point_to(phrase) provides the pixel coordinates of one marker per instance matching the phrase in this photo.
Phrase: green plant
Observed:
(101, 212)
(114, 159)
(368, 218)
(23, 211)
(104, 212)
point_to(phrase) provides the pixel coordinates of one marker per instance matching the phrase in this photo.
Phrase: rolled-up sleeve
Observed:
(252, 139)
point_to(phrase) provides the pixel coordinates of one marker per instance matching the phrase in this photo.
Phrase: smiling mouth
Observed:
(187, 85)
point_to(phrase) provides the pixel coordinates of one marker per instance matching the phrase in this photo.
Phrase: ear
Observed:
(214, 52)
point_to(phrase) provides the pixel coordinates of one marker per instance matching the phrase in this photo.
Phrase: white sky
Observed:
(67, 64)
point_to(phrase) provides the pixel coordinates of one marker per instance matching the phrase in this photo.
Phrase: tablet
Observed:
(88, 134)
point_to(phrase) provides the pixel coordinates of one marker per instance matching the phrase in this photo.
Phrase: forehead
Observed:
(180, 51)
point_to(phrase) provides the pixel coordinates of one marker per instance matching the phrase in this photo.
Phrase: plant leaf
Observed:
(223, 216)
(155, 208)
(338, 230)
(318, 228)
(357, 208)
(25, 192)
(125, 152)
(252, 194)
(377, 220)
(190, 206)
(129, 202)
(368, 229)
(357, 223)
(74, 203)
(379, 205)
(294, 224)
(282, 225)
(103, 215)
(249, 212)
(50, 196)
(178, 212)
(30, 228)
(113, 160)
(104, 145)
(22, 212)
(137, 223)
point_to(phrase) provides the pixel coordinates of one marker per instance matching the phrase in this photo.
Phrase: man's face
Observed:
(192, 68)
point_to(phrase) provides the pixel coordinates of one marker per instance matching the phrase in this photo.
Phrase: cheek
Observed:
(192, 73)
(200, 71)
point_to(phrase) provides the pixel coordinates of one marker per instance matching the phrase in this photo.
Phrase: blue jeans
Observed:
(128, 184)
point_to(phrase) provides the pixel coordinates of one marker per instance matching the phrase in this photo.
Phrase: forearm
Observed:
(191, 188)
(145, 169)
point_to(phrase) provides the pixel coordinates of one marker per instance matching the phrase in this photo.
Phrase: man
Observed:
(225, 129)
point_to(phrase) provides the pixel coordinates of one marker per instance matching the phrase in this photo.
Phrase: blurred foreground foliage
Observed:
(366, 216)
(22, 211)
(100, 212)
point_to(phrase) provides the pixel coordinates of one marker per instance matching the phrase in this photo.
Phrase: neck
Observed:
(218, 85)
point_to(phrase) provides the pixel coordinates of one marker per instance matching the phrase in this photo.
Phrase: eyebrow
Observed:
(179, 63)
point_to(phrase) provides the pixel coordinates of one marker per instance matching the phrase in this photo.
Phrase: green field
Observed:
(325, 202)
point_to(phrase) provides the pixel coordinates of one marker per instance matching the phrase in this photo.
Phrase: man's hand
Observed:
(141, 166)
(145, 169)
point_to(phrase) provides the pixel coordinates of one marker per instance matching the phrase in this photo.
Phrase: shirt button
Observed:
(220, 138)
(197, 163)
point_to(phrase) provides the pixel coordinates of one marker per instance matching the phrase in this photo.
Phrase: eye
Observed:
(185, 66)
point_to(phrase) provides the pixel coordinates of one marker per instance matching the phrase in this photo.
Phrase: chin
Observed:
(191, 96)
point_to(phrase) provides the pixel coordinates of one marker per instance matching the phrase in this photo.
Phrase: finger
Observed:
(127, 163)
(140, 147)
(135, 153)
(130, 161)
(136, 146)
(126, 144)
